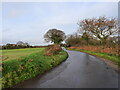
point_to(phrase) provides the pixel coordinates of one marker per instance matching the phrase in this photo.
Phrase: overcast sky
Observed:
(28, 21)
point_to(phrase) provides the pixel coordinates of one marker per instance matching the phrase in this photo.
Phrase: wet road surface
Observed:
(80, 70)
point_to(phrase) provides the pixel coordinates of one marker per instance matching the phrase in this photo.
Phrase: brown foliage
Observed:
(101, 27)
(30, 60)
(52, 50)
(102, 49)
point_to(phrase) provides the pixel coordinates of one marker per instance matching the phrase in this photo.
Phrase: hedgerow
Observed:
(18, 70)
(109, 56)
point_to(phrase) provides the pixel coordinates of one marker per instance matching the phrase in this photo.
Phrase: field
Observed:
(16, 53)
(23, 64)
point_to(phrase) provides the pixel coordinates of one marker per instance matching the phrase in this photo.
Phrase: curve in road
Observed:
(80, 70)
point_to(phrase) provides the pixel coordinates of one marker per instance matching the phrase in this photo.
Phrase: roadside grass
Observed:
(16, 53)
(17, 70)
(112, 57)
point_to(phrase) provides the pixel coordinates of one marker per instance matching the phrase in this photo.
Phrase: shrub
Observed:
(52, 50)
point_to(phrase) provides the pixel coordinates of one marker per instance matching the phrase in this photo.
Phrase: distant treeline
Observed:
(14, 46)
(10, 46)
(19, 45)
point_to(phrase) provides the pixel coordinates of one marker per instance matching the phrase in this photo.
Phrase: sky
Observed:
(29, 21)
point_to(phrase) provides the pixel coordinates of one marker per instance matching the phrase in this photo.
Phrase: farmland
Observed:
(23, 64)
(16, 53)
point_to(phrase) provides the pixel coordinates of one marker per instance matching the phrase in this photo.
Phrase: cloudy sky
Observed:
(29, 21)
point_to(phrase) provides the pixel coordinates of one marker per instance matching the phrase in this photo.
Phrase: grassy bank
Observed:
(17, 70)
(112, 57)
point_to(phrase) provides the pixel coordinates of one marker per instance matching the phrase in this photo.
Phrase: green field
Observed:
(16, 53)
(23, 64)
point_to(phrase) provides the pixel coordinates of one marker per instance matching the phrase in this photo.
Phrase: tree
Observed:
(86, 37)
(20, 43)
(101, 27)
(55, 36)
(74, 40)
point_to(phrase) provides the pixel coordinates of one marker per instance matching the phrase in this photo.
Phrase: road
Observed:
(80, 70)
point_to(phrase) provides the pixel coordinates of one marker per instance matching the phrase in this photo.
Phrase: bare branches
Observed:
(101, 27)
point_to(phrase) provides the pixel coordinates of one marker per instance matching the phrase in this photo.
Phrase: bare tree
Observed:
(101, 27)
(55, 36)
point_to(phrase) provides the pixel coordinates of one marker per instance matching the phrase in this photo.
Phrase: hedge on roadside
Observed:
(16, 71)
(113, 57)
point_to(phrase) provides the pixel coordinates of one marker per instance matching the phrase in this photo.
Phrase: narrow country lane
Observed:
(80, 70)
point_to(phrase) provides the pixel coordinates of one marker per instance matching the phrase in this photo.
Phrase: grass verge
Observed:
(26, 67)
(112, 57)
